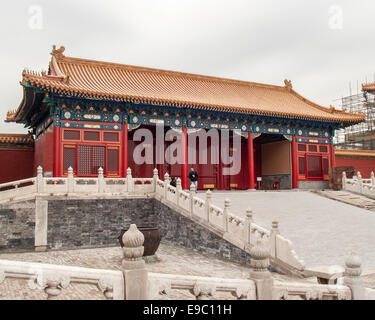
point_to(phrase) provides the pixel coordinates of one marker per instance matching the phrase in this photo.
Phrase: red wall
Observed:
(16, 165)
(364, 165)
(44, 151)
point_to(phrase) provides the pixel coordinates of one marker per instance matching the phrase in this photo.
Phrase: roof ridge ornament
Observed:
(58, 53)
(288, 84)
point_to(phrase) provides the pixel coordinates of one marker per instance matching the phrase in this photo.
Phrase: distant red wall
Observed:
(16, 165)
(363, 165)
(44, 151)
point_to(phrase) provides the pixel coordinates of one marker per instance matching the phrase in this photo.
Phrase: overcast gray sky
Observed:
(320, 45)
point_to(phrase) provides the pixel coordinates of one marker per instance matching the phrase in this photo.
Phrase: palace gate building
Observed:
(84, 113)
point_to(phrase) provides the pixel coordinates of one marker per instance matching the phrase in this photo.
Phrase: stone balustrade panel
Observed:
(54, 278)
(55, 185)
(307, 291)
(217, 218)
(199, 208)
(115, 185)
(159, 189)
(17, 188)
(184, 200)
(161, 287)
(236, 226)
(171, 194)
(143, 185)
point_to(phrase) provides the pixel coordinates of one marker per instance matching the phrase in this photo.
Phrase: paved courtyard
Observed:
(323, 231)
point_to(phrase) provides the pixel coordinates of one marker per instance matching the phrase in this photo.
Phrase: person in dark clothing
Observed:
(173, 182)
(193, 176)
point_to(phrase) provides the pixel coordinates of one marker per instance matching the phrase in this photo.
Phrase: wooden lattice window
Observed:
(302, 147)
(69, 158)
(110, 136)
(323, 149)
(313, 148)
(90, 159)
(71, 135)
(301, 165)
(112, 160)
(91, 136)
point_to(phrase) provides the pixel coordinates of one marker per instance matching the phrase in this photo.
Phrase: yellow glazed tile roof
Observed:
(103, 80)
(356, 153)
(15, 138)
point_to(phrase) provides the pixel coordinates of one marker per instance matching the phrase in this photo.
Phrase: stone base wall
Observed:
(98, 222)
(179, 230)
(313, 185)
(17, 226)
(285, 181)
(94, 222)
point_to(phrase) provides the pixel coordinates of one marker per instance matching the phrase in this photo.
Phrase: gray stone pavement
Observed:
(323, 231)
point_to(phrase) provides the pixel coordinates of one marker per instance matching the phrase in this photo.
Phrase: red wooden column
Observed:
(294, 163)
(124, 149)
(250, 156)
(184, 164)
(56, 152)
(332, 155)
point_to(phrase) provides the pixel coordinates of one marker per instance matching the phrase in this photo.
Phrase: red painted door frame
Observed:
(125, 149)
(56, 153)
(294, 164)
(184, 165)
(250, 152)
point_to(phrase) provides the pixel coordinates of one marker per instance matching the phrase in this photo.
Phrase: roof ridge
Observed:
(331, 109)
(65, 59)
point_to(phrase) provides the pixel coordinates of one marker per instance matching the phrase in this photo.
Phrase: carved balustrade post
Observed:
(70, 181)
(133, 266)
(192, 193)
(166, 183)
(129, 180)
(273, 238)
(352, 277)
(208, 203)
(155, 178)
(360, 183)
(226, 214)
(259, 262)
(39, 180)
(178, 189)
(248, 222)
(344, 178)
(372, 179)
(100, 180)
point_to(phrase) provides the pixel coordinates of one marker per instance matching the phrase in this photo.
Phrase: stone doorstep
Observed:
(325, 274)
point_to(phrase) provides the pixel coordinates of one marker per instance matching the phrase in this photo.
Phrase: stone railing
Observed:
(19, 188)
(202, 288)
(307, 291)
(359, 185)
(52, 279)
(134, 282)
(76, 186)
(241, 232)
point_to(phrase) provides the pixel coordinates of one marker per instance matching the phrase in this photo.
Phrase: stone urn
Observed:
(152, 239)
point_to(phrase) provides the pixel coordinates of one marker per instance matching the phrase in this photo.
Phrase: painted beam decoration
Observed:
(68, 111)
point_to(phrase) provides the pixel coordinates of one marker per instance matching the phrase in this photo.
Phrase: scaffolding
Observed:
(360, 136)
